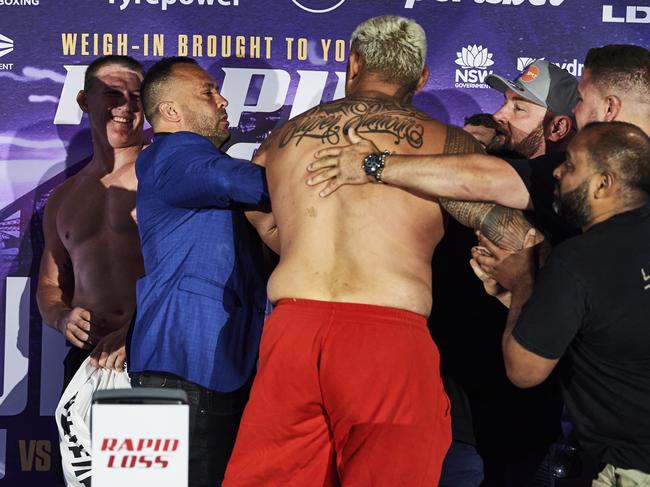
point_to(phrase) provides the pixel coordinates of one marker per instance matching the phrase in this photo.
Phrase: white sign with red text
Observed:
(140, 444)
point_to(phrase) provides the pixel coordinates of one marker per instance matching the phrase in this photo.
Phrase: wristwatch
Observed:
(373, 165)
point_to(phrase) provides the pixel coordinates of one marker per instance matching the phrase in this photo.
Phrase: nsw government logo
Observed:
(318, 6)
(6, 46)
(474, 62)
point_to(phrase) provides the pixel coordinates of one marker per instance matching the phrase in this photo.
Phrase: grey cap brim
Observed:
(501, 84)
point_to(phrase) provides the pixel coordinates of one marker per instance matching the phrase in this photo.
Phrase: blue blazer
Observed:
(201, 302)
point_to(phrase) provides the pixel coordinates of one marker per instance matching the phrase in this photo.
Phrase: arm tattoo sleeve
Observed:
(505, 227)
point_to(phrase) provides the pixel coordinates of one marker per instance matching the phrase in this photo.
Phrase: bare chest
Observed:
(95, 212)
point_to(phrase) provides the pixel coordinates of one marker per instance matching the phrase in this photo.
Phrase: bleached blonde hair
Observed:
(391, 46)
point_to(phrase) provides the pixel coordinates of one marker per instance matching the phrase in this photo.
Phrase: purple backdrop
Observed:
(273, 59)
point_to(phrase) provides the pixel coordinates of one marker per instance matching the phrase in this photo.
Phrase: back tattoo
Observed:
(365, 115)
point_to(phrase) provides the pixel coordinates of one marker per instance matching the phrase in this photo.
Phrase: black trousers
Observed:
(72, 363)
(214, 421)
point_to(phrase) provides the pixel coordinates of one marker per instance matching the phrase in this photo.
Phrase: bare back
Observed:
(364, 244)
(92, 243)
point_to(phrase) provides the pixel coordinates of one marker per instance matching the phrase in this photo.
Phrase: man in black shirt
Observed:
(588, 311)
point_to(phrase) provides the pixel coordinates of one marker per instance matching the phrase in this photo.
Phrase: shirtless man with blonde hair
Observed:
(348, 388)
(92, 258)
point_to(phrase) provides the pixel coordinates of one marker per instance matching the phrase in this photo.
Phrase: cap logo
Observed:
(530, 74)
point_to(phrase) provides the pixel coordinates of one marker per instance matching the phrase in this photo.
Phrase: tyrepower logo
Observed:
(141, 453)
(6, 46)
(630, 15)
(509, 3)
(473, 61)
(165, 4)
(318, 6)
(574, 66)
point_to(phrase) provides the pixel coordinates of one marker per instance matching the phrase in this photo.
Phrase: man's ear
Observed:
(612, 107)
(82, 101)
(423, 79)
(168, 111)
(605, 185)
(559, 128)
(355, 65)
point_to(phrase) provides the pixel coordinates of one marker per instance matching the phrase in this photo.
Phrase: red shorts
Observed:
(346, 394)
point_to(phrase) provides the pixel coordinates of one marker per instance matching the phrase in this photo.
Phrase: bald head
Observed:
(622, 149)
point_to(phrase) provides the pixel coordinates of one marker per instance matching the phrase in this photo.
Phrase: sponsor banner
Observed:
(630, 14)
(273, 59)
(474, 62)
(140, 444)
(574, 66)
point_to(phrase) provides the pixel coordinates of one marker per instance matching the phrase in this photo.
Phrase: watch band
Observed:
(379, 161)
(382, 158)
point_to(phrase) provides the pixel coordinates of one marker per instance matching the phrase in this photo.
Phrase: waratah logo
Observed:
(6, 45)
(474, 57)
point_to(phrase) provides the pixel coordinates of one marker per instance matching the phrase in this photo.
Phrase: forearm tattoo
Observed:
(366, 115)
(505, 227)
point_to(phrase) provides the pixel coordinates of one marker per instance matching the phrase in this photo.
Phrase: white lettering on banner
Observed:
(311, 87)
(273, 91)
(19, 3)
(633, 15)
(535, 3)
(16, 356)
(68, 111)
(573, 67)
(164, 4)
(236, 84)
(309, 94)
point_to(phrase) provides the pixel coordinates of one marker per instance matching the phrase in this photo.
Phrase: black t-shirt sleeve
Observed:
(537, 176)
(522, 166)
(554, 313)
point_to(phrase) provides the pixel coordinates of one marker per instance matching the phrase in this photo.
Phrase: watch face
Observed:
(371, 164)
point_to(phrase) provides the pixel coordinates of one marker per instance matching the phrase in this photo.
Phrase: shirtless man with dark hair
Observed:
(348, 384)
(91, 259)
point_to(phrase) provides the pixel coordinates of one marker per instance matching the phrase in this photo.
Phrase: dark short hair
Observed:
(623, 67)
(124, 61)
(622, 148)
(482, 120)
(157, 76)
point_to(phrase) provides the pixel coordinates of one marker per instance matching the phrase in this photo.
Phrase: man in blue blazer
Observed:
(201, 302)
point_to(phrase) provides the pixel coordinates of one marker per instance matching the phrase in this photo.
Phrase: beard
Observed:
(208, 128)
(573, 205)
(529, 145)
(495, 145)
